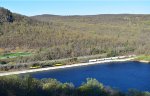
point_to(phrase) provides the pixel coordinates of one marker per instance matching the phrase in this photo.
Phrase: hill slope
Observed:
(67, 36)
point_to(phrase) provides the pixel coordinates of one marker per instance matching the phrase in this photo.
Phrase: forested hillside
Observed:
(69, 36)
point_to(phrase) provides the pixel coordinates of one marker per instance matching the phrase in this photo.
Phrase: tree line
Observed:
(28, 86)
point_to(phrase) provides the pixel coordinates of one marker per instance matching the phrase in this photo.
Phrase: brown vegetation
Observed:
(56, 37)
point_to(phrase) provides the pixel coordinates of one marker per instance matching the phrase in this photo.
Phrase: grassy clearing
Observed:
(143, 57)
(14, 55)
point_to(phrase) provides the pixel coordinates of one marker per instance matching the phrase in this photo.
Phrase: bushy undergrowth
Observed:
(28, 86)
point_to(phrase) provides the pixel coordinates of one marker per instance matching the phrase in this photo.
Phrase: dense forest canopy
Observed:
(28, 86)
(70, 36)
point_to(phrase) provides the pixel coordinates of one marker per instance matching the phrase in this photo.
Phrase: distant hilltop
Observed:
(5, 15)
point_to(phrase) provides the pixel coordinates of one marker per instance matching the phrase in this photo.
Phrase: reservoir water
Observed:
(120, 75)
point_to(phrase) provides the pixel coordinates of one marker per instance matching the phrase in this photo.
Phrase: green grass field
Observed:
(14, 55)
(144, 57)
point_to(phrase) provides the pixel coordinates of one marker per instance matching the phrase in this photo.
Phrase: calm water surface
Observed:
(120, 75)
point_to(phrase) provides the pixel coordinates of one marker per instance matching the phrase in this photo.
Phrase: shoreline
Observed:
(65, 66)
(143, 61)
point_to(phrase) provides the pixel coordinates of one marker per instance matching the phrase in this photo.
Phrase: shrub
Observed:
(3, 62)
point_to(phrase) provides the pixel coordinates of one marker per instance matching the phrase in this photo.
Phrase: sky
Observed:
(77, 7)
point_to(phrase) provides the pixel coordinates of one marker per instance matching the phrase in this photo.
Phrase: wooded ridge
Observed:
(56, 37)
